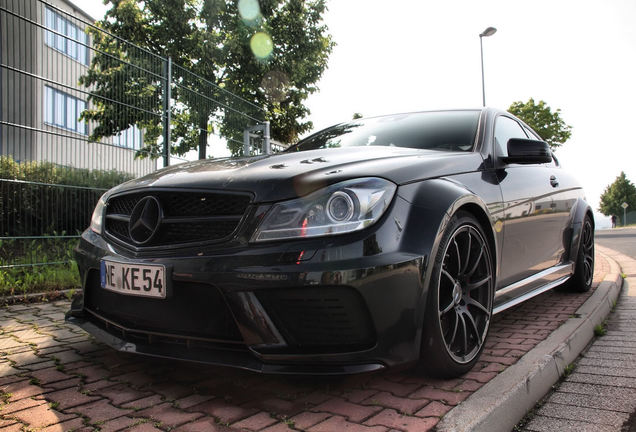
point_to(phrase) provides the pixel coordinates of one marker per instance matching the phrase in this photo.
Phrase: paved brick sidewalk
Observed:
(600, 394)
(53, 377)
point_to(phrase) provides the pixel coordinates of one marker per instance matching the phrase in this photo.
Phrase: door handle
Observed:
(553, 181)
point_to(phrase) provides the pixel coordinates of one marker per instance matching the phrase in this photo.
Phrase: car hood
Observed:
(288, 175)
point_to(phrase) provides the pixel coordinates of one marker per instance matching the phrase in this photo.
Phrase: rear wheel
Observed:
(581, 280)
(460, 300)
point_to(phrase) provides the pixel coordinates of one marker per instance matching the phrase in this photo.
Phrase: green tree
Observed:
(270, 52)
(547, 123)
(622, 190)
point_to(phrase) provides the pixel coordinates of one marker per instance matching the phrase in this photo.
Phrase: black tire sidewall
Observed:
(578, 282)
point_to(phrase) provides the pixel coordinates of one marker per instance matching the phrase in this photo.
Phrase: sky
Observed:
(412, 55)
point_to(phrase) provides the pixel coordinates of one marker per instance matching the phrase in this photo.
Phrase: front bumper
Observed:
(338, 305)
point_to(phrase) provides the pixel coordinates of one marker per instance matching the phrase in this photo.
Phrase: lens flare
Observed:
(249, 9)
(262, 45)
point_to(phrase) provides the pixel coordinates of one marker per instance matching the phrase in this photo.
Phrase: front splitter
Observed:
(217, 357)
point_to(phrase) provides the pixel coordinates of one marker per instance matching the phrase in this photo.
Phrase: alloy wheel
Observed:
(465, 294)
(588, 252)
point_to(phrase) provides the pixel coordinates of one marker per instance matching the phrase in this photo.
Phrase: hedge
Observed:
(42, 198)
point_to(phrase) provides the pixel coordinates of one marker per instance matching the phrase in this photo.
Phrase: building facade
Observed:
(45, 49)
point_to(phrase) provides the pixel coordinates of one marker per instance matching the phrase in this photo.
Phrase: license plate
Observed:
(134, 279)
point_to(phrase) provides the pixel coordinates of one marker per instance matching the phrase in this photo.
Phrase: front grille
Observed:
(196, 232)
(321, 319)
(185, 217)
(190, 310)
(201, 205)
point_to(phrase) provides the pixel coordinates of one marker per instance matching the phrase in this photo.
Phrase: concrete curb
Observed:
(503, 401)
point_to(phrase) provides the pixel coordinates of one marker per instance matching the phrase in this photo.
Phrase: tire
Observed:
(460, 299)
(581, 280)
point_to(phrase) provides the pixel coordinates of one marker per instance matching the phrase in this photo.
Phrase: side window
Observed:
(506, 128)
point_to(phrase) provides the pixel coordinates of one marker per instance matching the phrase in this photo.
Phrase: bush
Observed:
(48, 172)
(41, 198)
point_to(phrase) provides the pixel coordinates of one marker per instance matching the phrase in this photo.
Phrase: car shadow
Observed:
(54, 373)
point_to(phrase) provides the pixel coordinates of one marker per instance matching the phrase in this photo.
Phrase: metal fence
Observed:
(52, 168)
(627, 218)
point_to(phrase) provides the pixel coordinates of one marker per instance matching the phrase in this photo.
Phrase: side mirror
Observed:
(528, 151)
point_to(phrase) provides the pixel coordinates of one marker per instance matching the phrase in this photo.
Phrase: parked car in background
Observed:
(383, 241)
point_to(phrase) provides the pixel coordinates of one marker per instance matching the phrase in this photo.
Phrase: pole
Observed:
(625, 216)
(266, 137)
(167, 69)
(2, 117)
(483, 85)
(246, 142)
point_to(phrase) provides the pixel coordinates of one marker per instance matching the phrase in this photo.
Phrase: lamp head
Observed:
(488, 32)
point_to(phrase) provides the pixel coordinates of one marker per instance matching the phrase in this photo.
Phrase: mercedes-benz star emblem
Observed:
(144, 220)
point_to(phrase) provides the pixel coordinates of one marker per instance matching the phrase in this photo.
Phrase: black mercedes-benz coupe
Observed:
(382, 241)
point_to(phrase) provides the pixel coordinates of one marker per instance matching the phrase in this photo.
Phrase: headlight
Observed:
(344, 207)
(97, 220)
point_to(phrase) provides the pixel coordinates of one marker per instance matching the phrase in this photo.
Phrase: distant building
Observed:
(44, 51)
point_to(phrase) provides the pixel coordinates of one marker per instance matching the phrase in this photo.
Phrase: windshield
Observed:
(435, 130)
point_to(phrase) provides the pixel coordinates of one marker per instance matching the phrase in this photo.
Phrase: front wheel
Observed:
(459, 306)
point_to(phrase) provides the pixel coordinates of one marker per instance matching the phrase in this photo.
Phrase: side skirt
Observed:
(542, 282)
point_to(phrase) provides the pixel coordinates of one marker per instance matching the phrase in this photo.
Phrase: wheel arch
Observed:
(484, 221)
(474, 205)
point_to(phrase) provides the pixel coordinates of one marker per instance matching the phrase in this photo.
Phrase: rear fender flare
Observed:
(582, 209)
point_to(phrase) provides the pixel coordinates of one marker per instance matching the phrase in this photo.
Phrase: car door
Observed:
(531, 225)
(565, 192)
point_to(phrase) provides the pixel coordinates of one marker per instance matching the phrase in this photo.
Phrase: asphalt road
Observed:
(619, 239)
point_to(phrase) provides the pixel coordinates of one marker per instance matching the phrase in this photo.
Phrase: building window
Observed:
(71, 41)
(130, 138)
(63, 110)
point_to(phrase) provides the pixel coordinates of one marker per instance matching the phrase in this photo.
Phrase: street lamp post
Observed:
(488, 32)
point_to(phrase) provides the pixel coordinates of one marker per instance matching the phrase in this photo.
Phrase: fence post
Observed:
(246, 142)
(1, 86)
(167, 69)
(268, 149)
